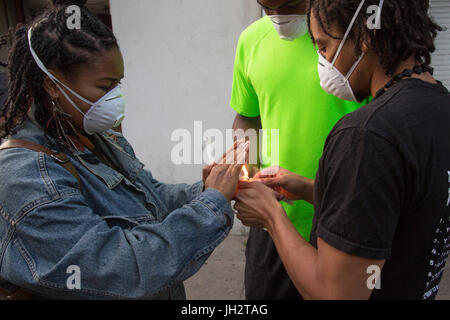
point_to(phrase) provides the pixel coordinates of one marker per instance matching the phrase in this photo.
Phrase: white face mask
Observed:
(290, 27)
(107, 113)
(333, 81)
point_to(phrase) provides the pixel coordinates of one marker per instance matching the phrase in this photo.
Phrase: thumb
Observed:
(268, 172)
(270, 182)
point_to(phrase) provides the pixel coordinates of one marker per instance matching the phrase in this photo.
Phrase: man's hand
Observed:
(257, 205)
(290, 185)
(322, 273)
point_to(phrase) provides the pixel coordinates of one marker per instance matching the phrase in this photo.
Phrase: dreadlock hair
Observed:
(59, 48)
(406, 28)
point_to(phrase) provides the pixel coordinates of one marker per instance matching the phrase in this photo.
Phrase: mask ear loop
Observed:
(338, 52)
(378, 17)
(377, 22)
(355, 65)
(54, 79)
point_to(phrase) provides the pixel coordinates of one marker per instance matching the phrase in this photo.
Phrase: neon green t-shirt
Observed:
(278, 80)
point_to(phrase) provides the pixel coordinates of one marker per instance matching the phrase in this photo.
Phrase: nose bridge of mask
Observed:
(338, 52)
(54, 79)
(114, 94)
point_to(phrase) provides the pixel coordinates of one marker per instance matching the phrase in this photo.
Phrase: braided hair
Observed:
(406, 28)
(58, 47)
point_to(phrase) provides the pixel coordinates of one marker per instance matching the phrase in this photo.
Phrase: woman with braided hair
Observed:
(80, 217)
(381, 228)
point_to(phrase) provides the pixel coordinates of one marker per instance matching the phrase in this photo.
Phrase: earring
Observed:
(61, 120)
(57, 109)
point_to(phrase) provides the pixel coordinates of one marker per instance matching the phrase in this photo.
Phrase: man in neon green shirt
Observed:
(276, 87)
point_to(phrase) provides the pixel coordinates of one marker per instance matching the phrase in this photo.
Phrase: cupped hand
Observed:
(289, 184)
(257, 204)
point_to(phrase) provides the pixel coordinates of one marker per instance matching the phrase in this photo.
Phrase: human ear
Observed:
(50, 87)
(365, 45)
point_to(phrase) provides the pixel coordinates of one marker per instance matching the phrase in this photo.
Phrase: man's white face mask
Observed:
(331, 79)
(290, 27)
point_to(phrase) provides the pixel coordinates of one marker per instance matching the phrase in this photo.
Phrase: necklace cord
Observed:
(407, 73)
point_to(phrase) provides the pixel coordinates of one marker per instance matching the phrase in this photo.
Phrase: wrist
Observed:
(307, 193)
(227, 197)
(275, 218)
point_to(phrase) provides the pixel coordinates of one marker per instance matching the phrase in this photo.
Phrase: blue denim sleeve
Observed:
(175, 196)
(118, 257)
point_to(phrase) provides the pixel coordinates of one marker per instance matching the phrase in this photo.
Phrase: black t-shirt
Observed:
(3, 88)
(383, 188)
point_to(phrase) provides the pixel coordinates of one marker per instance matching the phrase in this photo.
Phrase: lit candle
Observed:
(246, 175)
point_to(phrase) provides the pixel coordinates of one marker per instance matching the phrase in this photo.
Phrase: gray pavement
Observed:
(222, 277)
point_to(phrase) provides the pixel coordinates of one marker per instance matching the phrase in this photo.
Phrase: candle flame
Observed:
(245, 171)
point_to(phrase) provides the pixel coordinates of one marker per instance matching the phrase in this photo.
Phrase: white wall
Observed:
(179, 57)
(440, 11)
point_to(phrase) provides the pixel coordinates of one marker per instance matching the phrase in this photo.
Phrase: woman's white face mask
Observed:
(331, 79)
(107, 113)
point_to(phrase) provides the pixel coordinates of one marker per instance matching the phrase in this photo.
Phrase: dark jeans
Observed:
(265, 275)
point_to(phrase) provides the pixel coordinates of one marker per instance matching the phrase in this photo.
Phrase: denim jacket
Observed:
(123, 236)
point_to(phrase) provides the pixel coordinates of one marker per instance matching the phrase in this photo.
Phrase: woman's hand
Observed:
(206, 172)
(224, 178)
(257, 205)
(290, 185)
(237, 154)
(224, 174)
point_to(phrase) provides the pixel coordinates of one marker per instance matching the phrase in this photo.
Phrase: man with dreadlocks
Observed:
(81, 218)
(381, 228)
(276, 87)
